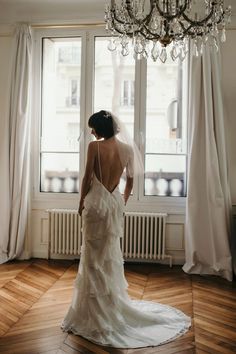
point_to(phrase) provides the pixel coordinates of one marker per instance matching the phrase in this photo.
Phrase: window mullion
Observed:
(140, 115)
(83, 103)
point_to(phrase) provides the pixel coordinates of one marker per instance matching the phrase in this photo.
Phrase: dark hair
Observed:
(103, 124)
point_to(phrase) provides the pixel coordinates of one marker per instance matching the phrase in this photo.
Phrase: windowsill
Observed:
(170, 205)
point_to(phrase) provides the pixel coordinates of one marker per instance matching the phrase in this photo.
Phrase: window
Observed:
(165, 147)
(59, 152)
(149, 97)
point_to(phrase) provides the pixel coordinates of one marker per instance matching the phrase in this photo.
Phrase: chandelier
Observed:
(152, 25)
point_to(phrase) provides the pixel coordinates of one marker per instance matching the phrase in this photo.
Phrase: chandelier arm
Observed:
(199, 23)
(146, 22)
(152, 35)
(149, 16)
(145, 27)
(188, 31)
(131, 15)
(129, 34)
(151, 38)
(114, 17)
(171, 17)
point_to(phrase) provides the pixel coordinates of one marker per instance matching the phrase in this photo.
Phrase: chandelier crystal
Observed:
(152, 25)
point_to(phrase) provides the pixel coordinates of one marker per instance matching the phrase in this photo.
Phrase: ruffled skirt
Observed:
(101, 309)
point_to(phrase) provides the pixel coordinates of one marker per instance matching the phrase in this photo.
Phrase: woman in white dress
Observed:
(101, 309)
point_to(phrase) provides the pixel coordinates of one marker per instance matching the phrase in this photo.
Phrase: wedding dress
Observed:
(101, 309)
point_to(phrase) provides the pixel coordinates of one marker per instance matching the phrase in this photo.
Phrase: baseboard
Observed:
(39, 254)
(176, 259)
(24, 256)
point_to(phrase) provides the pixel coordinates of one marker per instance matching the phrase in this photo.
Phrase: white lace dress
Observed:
(101, 309)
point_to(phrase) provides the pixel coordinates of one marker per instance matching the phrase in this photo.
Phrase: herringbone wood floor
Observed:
(34, 297)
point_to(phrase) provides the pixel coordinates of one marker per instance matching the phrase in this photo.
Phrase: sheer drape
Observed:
(208, 202)
(17, 156)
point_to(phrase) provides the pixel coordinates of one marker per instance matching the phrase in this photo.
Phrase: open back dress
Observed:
(101, 309)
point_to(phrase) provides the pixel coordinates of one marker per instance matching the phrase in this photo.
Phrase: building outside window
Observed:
(127, 93)
(72, 100)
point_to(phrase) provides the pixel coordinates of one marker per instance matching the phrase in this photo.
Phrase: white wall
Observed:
(229, 92)
(51, 11)
(5, 55)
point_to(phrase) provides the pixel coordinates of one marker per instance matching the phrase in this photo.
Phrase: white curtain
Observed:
(16, 160)
(208, 207)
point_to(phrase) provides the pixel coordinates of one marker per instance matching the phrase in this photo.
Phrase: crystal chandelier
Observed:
(152, 25)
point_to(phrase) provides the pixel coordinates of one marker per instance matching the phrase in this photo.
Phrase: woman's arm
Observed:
(86, 182)
(128, 188)
(129, 175)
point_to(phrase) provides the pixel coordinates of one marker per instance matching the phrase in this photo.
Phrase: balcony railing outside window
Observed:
(167, 185)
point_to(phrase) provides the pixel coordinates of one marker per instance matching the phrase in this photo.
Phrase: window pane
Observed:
(165, 129)
(60, 125)
(165, 175)
(114, 85)
(59, 172)
(114, 77)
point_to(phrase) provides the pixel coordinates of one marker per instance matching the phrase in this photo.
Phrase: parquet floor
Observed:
(35, 295)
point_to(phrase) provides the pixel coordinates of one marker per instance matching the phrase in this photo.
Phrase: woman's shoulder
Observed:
(92, 147)
(126, 147)
(92, 144)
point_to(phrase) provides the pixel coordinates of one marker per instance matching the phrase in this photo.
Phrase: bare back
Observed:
(108, 166)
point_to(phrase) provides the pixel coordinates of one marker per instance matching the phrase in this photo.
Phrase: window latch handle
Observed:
(80, 136)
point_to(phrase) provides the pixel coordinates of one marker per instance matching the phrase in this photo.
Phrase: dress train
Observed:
(101, 309)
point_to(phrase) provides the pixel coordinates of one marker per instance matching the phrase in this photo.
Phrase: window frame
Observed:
(168, 202)
(88, 34)
(39, 197)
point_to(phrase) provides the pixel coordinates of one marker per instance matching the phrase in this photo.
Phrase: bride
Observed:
(101, 309)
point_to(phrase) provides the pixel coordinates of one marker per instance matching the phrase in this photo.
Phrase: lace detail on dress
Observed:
(101, 309)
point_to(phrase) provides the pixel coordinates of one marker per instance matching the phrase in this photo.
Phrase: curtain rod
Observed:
(69, 25)
(57, 25)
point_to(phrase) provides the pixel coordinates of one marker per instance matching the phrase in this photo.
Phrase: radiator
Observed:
(144, 235)
(64, 232)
